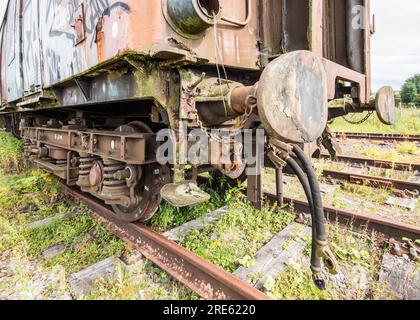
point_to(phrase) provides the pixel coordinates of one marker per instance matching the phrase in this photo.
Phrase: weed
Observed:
(373, 194)
(169, 217)
(359, 258)
(142, 281)
(11, 153)
(408, 148)
(240, 233)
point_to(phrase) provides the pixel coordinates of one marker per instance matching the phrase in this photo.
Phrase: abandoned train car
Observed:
(88, 84)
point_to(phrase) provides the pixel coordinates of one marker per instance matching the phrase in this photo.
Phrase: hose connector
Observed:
(318, 279)
(324, 252)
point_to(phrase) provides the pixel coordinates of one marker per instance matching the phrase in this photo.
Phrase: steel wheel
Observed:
(148, 192)
(153, 178)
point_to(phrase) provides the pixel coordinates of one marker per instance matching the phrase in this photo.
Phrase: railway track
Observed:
(210, 282)
(389, 228)
(373, 181)
(377, 136)
(383, 164)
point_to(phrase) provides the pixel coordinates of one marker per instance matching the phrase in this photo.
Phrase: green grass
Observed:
(11, 152)
(405, 152)
(169, 217)
(235, 239)
(144, 282)
(408, 148)
(85, 242)
(352, 251)
(31, 188)
(378, 195)
(69, 229)
(408, 122)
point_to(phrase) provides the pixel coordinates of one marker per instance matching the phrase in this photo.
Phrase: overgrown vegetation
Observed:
(230, 243)
(143, 281)
(359, 262)
(235, 239)
(169, 217)
(408, 122)
(10, 152)
(33, 196)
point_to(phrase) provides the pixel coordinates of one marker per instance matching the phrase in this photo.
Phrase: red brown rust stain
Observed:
(100, 39)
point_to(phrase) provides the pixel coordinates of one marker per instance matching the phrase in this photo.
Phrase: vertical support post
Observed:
(279, 186)
(254, 191)
(195, 173)
(367, 56)
(316, 27)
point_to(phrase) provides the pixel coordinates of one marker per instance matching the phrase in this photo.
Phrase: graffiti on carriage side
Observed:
(62, 10)
(31, 47)
(59, 19)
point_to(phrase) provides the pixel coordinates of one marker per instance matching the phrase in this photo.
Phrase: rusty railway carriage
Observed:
(88, 84)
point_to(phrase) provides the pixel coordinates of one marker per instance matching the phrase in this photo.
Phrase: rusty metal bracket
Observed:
(79, 25)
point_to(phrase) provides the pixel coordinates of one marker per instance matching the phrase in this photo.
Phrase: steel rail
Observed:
(377, 182)
(389, 228)
(210, 282)
(377, 136)
(401, 166)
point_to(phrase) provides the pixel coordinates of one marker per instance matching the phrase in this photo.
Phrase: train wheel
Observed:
(148, 193)
(153, 178)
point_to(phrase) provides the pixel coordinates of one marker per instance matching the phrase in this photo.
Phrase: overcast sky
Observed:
(395, 46)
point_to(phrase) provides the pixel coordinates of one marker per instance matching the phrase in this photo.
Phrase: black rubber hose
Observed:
(303, 181)
(303, 178)
(319, 219)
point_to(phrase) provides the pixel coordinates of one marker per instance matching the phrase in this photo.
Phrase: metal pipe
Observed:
(239, 98)
(279, 186)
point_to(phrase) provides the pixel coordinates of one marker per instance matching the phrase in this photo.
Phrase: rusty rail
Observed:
(205, 279)
(377, 136)
(389, 228)
(401, 166)
(377, 182)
